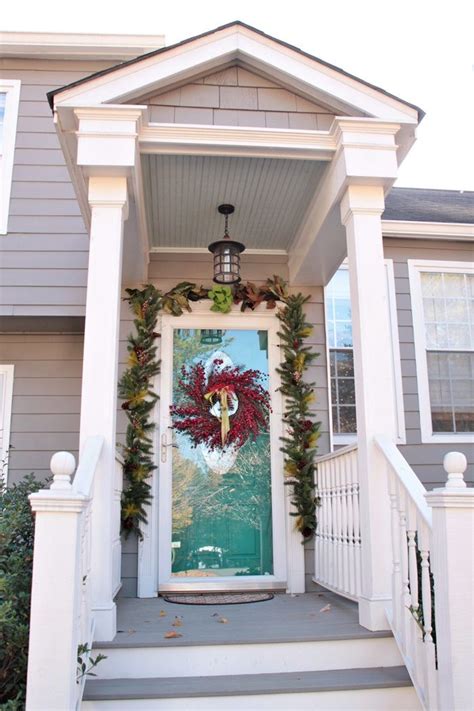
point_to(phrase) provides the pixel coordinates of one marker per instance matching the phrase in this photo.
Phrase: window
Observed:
(341, 357)
(9, 100)
(6, 393)
(443, 320)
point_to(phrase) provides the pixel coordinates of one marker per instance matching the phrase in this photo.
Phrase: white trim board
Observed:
(428, 230)
(6, 400)
(11, 87)
(415, 266)
(74, 45)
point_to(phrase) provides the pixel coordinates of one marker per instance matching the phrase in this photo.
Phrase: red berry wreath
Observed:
(243, 410)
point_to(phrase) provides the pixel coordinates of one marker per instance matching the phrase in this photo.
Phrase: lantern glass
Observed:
(226, 261)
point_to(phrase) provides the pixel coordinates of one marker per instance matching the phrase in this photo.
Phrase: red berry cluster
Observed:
(192, 415)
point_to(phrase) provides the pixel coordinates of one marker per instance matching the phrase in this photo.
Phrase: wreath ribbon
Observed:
(223, 394)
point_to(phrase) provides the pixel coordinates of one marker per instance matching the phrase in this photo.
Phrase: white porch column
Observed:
(453, 569)
(361, 210)
(108, 202)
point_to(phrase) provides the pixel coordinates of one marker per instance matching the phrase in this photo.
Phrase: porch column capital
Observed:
(368, 150)
(109, 192)
(107, 136)
(362, 200)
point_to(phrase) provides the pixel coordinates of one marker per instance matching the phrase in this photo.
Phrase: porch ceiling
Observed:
(270, 195)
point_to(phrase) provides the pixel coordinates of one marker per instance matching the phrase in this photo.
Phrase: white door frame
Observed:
(287, 549)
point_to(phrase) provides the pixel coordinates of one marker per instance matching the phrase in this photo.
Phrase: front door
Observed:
(221, 500)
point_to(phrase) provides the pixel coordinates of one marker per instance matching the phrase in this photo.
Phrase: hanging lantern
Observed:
(211, 336)
(226, 253)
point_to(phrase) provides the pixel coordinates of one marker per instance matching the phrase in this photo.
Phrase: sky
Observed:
(420, 50)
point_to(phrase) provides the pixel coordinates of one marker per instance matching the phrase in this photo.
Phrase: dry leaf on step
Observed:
(162, 613)
(223, 620)
(177, 622)
(172, 634)
(326, 608)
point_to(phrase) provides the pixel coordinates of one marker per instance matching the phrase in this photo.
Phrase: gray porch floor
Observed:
(286, 618)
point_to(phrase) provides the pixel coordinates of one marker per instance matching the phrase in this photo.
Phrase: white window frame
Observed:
(6, 401)
(10, 87)
(337, 440)
(415, 267)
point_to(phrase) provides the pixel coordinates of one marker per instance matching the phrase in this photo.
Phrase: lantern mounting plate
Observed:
(226, 209)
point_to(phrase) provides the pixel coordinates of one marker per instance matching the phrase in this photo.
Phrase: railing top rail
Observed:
(87, 465)
(406, 476)
(338, 453)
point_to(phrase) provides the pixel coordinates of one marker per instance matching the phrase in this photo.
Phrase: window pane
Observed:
(446, 307)
(338, 310)
(431, 284)
(451, 380)
(347, 419)
(342, 391)
(345, 363)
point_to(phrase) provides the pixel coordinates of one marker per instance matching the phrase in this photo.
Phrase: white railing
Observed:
(61, 617)
(337, 541)
(411, 616)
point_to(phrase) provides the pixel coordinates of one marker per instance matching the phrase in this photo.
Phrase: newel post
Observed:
(52, 655)
(453, 571)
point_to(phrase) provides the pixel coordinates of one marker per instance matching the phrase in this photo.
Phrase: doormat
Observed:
(217, 598)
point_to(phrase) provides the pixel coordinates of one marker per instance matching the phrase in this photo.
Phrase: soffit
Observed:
(270, 195)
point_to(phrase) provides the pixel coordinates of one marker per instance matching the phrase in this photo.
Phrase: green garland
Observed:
(135, 388)
(299, 445)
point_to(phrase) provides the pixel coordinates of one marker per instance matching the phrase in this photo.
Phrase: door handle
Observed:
(164, 447)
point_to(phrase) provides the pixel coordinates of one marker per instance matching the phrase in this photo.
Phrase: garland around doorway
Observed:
(136, 390)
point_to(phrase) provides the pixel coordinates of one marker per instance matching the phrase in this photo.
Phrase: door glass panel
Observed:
(221, 509)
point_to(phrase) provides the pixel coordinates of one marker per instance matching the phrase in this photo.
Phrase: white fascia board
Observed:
(236, 140)
(46, 45)
(207, 53)
(428, 230)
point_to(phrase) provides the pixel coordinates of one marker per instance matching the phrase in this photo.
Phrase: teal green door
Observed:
(221, 493)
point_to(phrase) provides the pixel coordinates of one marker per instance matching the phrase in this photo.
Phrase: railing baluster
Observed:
(350, 528)
(337, 545)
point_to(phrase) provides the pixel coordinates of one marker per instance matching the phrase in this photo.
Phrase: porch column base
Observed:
(105, 621)
(372, 613)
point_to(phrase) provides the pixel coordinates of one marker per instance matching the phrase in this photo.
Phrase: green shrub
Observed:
(16, 559)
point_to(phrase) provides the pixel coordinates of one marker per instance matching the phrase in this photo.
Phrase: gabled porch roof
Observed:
(240, 50)
(106, 127)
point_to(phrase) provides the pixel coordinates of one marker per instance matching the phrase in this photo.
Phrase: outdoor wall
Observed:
(43, 258)
(46, 399)
(426, 459)
(237, 97)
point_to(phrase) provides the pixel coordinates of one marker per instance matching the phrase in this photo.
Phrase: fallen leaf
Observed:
(162, 613)
(326, 608)
(172, 634)
(224, 620)
(177, 622)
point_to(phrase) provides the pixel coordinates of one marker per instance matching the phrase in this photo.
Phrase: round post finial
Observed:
(455, 464)
(62, 465)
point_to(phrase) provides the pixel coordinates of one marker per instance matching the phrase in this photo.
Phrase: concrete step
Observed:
(173, 658)
(338, 689)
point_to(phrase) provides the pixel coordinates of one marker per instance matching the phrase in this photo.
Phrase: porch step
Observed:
(388, 688)
(147, 660)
